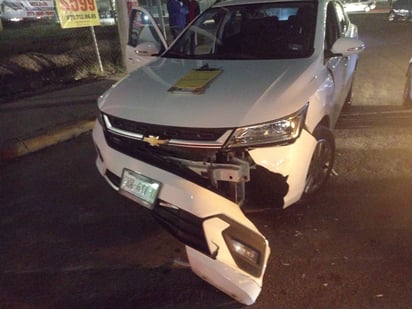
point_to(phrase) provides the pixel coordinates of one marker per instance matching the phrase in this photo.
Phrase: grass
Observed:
(48, 37)
(41, 54)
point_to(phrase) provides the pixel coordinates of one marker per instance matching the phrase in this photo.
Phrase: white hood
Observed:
(245, 93)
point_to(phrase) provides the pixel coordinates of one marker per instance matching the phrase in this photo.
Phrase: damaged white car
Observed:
(247, 95)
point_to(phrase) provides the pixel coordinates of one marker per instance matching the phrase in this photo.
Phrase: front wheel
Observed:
(322, 161)
(391, 16)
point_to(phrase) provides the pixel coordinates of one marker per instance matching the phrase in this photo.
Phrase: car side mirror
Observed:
(347, 46)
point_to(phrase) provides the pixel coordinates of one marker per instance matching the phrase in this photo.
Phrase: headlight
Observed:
(278, 131)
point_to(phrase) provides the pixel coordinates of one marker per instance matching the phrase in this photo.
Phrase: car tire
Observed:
(391, 16)
(322, 161)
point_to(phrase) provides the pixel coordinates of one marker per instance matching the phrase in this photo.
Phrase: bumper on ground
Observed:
(224, 247)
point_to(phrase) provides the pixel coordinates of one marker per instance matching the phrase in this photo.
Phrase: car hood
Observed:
(245, 92)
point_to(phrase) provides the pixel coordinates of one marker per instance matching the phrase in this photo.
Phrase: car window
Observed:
(252, 31)
(141, 30)
(333, 28)
(342, 18)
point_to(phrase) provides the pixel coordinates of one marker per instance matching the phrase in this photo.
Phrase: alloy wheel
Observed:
(320, 166)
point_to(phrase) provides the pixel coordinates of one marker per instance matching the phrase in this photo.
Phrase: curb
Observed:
(37, 143)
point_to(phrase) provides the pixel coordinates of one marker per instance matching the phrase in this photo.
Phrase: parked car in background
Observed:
(12, 11)
(26, 10)
(107, 17)
(247, 95)
(401, 10)
(359, 5)
(407, 95)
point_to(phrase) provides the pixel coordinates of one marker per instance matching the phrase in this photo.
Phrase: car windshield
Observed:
(276, 30)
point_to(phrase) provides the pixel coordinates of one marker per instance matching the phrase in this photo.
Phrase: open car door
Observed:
(145, 40)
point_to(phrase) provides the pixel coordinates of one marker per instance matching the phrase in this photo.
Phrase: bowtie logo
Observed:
(155, 141)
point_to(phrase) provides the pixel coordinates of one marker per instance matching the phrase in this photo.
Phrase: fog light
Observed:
(247, 252)
(247, 248)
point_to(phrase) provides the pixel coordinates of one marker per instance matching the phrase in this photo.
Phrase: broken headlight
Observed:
(278, 131)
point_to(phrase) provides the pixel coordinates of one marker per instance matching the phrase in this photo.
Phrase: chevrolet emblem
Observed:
(155, 141)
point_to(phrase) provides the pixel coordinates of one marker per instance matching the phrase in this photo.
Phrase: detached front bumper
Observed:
(223, 246)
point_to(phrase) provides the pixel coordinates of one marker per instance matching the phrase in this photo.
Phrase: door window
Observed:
(342, 18)
(333, 30)
(142, 30)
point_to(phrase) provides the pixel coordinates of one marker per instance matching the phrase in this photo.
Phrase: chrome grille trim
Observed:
(120, 131)
(221, 134)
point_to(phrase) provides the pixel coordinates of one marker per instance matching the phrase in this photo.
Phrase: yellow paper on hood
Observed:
(195, 80)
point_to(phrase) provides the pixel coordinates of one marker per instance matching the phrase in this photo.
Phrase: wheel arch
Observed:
(325, 122)
(321, 163)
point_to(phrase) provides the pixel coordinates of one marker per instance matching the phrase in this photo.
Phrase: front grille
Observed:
(167, 132)
(161, 156)
(152, 155)
(133, 148)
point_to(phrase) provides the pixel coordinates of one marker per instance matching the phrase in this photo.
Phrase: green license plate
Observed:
(139, 188)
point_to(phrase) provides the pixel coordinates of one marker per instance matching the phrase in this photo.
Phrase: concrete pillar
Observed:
(123, 8)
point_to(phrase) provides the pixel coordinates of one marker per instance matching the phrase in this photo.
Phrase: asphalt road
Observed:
(68, 241)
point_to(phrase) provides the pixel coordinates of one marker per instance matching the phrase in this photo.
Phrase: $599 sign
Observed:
(76, 5)
(77, 13)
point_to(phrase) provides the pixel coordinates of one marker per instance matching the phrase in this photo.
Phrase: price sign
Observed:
(77, 13)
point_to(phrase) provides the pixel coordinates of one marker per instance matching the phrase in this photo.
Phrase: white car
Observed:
(13, 11)
(247, 95)
(359, 5)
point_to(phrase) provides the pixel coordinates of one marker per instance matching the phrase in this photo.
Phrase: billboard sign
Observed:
(77, 13)
(40, 9)
(18, 10)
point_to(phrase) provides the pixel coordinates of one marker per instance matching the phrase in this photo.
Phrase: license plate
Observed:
(139, 188)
